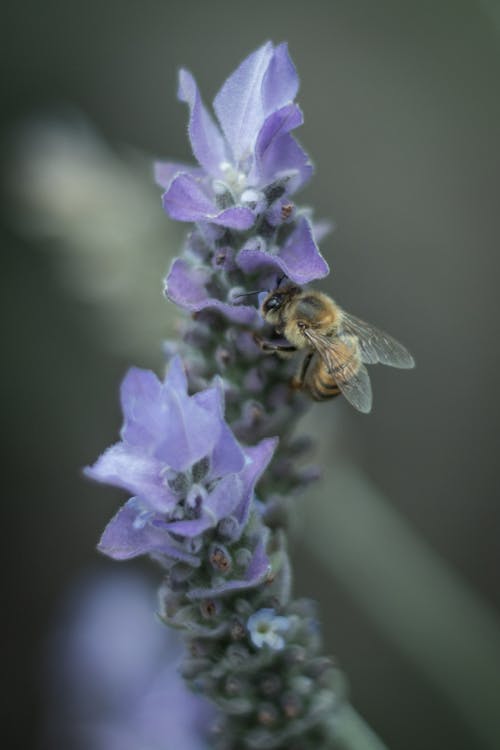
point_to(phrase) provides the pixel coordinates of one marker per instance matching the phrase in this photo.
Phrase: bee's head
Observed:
(274, 301)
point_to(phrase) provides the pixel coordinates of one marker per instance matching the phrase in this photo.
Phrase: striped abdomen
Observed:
(319, 382)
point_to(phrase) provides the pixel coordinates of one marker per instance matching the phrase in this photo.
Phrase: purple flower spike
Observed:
(299, 259)
(227, 578)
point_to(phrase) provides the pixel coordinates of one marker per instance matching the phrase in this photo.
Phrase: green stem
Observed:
(353, 733)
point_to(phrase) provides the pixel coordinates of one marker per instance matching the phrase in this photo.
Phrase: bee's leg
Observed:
(269, 348)
(297, 382)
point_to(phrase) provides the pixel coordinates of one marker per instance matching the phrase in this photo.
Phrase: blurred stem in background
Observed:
(409, 592)
(354, 732)
(98, 211)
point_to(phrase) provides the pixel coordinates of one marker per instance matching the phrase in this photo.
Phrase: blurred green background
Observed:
(400, 542)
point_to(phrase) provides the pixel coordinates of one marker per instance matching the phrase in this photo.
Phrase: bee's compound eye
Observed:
(273, 302)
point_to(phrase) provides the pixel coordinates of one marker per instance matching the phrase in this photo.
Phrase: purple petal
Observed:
(239, 103)
(277, 124)
(139, 474)
(193, 527)
(176, 375)
(185, 286)
(124, 538)
(269, 145)
(186, 200)
(302, 256)
(281, 82)
(225, 497)
(257, 570)
(212, 399)
(140, 393)
(165, 171)
(206, 139)
(227, 456)
(299, 259)
(322, 229)
(163, 426)
(285, 158)
(258, 458)
(236, 313)
(190, 432)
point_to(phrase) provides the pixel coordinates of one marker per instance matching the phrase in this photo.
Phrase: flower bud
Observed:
(228, 528)
(195, 544)
(302, 685)
(291, 705)
(234, 686)
(209, 608)
(194, 667)
(243, 557)
(219, 558)
(267, 714)
(237, 654)
(223, 357)
(178, 576)
(238, 630)
(253, 381)
(270, 684)
(276, 513)
(295, 654)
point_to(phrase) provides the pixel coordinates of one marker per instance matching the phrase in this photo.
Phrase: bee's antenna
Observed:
(246, 294)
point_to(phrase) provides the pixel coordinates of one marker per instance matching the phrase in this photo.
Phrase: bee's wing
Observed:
(351, 376)
(376, 346)
(358, 390)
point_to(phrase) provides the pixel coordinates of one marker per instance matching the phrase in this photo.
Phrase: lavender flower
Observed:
(189, 476)
(250, 167)
(265, 628)
(194, 447)
(250, 155)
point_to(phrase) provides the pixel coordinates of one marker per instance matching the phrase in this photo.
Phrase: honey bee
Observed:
(337, 345)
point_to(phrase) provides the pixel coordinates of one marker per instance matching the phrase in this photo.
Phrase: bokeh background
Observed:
(400, 542)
